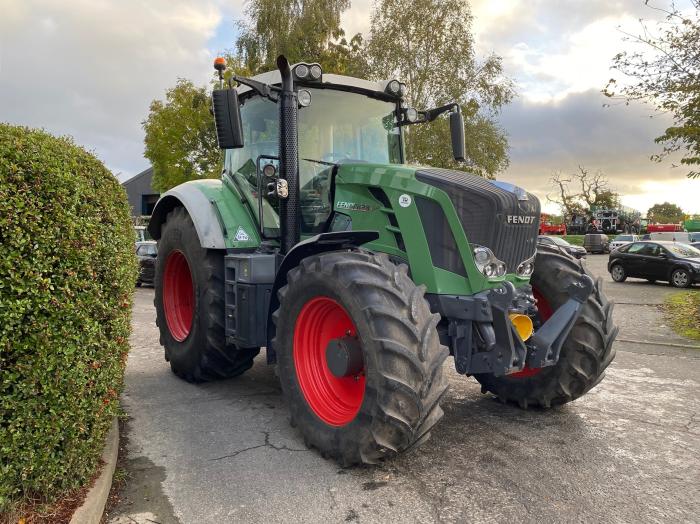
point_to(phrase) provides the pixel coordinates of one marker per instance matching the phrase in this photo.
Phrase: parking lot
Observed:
(626, 452)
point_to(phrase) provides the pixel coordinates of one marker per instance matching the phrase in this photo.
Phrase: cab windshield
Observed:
(337, 127)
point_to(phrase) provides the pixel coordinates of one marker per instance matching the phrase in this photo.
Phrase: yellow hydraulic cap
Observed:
(523, 325)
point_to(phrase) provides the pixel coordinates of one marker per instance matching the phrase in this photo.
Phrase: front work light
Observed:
(315, 72)
(301, 71)
(488, 264)
(304, 98)
(526, 268)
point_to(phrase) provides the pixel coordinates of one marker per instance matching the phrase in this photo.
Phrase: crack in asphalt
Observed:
(653, 343)
(266, 444)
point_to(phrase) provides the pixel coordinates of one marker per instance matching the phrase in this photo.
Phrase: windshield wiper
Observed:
(322, 162)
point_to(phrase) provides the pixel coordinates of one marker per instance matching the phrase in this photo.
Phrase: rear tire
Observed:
(375, 301)
(189, 301)
(586, 353)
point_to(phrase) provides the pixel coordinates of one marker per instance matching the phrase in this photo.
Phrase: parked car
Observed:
(561, 244)
(696, 245)
(596, 243)
(146, 252)
(621, 240)
(677, 236)
(142, 234)
(694, 237)
(673, 262)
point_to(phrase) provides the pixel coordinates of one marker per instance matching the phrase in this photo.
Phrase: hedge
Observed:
(67, 273)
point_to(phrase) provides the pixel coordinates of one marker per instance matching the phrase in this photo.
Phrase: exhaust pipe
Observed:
(289, 157)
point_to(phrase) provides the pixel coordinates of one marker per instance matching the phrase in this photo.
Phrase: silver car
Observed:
(621, 240)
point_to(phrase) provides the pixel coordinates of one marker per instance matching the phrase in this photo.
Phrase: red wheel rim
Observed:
(178, 295)
(545, 311)
(334, 400)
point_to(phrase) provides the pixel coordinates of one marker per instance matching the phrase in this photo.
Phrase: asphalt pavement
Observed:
(628, 451)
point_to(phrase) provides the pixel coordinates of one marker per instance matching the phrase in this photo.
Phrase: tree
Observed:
(665, 213)
(578, 192)
(666, 74)
(302, 30)
(181, 137)
(429, 45)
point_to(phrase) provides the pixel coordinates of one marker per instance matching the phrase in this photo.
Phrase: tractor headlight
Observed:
(526, 268)
(488, 264)
(394, 87)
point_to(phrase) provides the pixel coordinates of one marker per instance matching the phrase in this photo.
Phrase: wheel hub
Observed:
(344, 356)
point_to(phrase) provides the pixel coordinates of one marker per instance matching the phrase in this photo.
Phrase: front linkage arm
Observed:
(547, 341)
(483, 339)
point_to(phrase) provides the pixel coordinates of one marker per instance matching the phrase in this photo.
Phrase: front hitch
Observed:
(482, 337)
(547, 341)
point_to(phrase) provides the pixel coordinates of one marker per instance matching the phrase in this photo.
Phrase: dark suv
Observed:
(671, 262)
(146, 252)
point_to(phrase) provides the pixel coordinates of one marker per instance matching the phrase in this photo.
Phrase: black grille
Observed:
(483, 209)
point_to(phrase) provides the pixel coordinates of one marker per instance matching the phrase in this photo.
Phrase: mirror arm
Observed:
(259, 87)
(431, 114)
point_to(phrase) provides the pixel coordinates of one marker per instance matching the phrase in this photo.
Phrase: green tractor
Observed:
(361, 274)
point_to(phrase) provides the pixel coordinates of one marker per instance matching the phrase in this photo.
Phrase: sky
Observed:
(90, 68)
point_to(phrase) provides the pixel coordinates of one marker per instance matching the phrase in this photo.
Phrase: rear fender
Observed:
(219, 216)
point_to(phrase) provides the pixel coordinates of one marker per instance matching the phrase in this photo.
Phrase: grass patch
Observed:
(683, 313)
(577, 240)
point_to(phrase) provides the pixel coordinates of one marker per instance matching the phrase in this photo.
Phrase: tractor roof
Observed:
(341, 81)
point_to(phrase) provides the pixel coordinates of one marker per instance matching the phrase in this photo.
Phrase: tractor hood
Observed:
(497, 215)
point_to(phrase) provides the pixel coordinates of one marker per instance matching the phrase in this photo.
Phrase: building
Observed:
(142, 197)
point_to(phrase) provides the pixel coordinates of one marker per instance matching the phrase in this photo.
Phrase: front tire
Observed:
(586, 353)
(392, 402)
(189, 301)
(680, 278)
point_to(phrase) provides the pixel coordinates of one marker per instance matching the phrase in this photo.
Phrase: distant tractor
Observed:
(361, 274)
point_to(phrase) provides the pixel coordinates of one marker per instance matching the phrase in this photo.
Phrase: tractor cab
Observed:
(341, 120)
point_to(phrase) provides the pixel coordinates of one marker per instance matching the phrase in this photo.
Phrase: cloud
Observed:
(90, 68)
(553, 49)
(578, 130)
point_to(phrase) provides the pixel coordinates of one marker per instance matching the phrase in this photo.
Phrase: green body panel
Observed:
(235, 212)
(354, 198)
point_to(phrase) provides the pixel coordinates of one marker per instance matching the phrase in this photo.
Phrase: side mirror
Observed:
(457, 133)
(227, 116)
